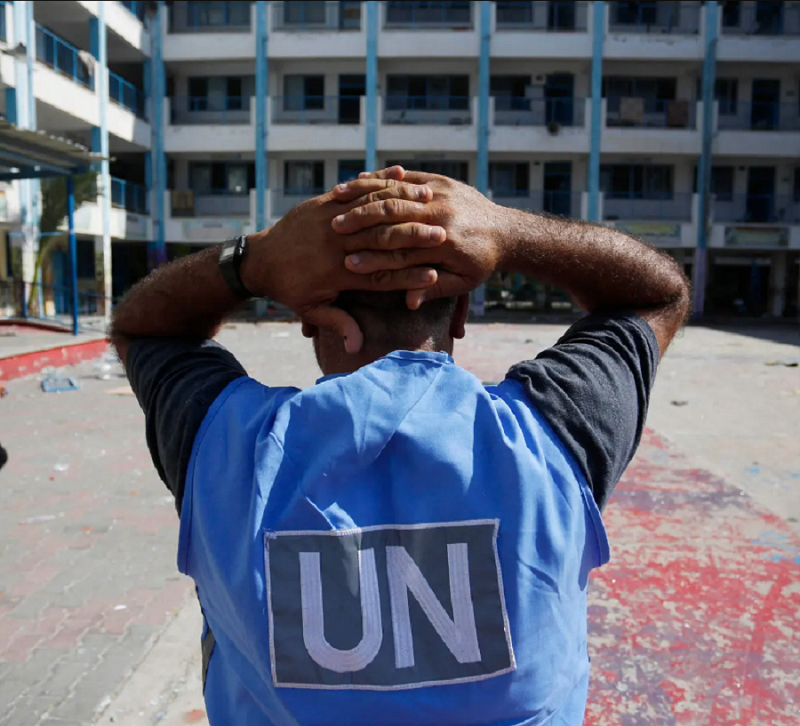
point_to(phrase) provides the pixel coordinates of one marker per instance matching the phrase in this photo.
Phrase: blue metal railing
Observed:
(437, 110)
(757, 208)
(659, 113)
(412, 14)
(299, 16)
(3, 35)
(780, 18)
(128, 195)
(551, 15)
(62, 57)
(666, 206)
(562, 203)
(521, 111)
(52, 303)
(126, 94)
(303, 109)
(680, 18)
(210, 110)
(136, 8)
(203, 17)
(760, 116)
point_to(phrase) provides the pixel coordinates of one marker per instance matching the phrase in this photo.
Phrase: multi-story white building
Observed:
(590, 109)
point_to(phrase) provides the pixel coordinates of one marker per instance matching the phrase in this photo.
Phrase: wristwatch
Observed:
(230, 265)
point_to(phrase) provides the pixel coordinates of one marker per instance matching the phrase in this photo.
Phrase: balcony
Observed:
(324, 123)
(211, 204)
(199, 123)
(757, 209)
(413, 15)
(316, 109)
(553, 125)
(759, 128)
(555, 16)
(282, 200)
(551, 112)
(652, 113)
(428, 110)
(64, 58)
(136, 8)
(762, 19)
(208, 218)
(676, 207)
(126, 95)
(209, 17)
(563, 204)
(314, 17)
(214, 110)
(673, 18)
(128, 196)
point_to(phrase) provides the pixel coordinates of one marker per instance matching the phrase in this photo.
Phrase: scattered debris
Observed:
(679, 403)
(120, 607)
(784, 363)
(194, 716)
(60, 466)
(3, 391)
(39, 518)
(57, 385)
(280, 335)
(121, 391)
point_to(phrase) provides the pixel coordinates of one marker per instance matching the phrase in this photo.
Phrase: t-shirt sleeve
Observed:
(593, 388)
(175, 382)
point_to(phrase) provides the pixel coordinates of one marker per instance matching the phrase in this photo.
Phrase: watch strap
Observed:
(230, 264)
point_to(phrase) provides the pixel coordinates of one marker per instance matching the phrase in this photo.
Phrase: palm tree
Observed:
(52, 219)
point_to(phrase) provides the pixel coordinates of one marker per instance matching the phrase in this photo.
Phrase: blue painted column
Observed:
(157, 249)
(102, 243)
(596, 137)
(147, 87)
(700, 266)
(73, 253)
(371, 156)
(262, 84)
(482, 172)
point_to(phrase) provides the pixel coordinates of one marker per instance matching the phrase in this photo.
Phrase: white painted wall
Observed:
(66, 95)
(127, 26)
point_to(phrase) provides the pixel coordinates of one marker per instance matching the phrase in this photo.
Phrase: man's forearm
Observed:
(599, 266)
(186, 299)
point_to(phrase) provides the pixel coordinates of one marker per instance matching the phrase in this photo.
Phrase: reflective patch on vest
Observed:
(387, 607)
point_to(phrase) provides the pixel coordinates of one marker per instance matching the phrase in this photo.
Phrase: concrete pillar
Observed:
(598, 36)
(777, 284)
(102, 244)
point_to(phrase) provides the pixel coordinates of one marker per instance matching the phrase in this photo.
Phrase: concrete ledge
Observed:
(26, 364)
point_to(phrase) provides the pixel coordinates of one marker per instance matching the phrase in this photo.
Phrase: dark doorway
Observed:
(769, 17)
(558, 188)
(766, 98)
(561, 15)
(351, 88)
(761, 194)
(559, 92)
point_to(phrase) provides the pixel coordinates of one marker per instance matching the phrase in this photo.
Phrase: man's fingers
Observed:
(386, 211)
(447, 285)
(365, 262)
(410, 278)
(393, 237)
(390, 172)
(364, 191)
(339, 322)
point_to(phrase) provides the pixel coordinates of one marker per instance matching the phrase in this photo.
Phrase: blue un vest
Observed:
(400, 545)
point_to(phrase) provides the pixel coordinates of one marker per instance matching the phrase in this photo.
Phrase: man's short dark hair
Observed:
(387, 323)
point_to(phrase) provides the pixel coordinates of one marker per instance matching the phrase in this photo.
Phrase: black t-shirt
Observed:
(592, 387)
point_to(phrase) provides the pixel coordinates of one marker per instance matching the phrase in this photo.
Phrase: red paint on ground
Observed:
(17, 366)
(695, 619)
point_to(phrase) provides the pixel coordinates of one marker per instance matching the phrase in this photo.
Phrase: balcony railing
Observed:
(757, 208)
(63, 57)
(563, 204)
(215, 203)
(125, 94)
(136, 8)
(678, 18)
(433, 110)
(303, 109)
(3, 35)
(554, 16)
(780, 18)
(414, 15)
(298, 16)
(129, 196)
(760, 116)
(520, 111)
(224, 110)
(629, 206)
(284, 199)
(675, 113)
(209, 17)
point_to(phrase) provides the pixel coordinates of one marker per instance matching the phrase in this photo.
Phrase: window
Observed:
(428, 92)
(731, 14)
(303, 93)
(635, 13)
(420, 12)
(636, 181)
(726, 92)
(220, 93)
(514, 13)
(222, 177)
(509, 179)
(349, 169)
(656, 88)
(304, 177)
(304, 12)
(796, 195)
(722, 183)
(458, 170)
(509, 92)
(349, 15)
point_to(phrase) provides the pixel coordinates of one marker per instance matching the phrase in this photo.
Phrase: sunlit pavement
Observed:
(696, 620)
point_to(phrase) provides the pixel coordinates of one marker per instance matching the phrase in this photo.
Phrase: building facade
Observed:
(678, 122)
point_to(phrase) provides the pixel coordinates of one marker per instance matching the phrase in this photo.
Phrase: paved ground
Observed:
(695, 621)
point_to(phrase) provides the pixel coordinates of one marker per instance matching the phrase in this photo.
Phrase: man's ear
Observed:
(309, 330)
(459, 321)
